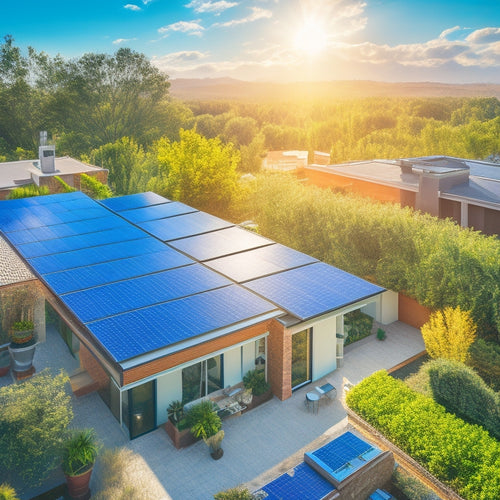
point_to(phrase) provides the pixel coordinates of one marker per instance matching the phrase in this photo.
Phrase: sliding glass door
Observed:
(202, 378)
(301, 358)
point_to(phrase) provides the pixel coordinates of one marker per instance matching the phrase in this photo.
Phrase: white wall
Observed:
(389, 307)
(324, 349)
(168, 389)
(232, 366)
(248, 358)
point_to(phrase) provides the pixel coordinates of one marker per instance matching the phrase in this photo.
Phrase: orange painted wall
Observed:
(411, 312)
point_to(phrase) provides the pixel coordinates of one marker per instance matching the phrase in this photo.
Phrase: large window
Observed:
(138, 411)
(202, 378)
(301, 358)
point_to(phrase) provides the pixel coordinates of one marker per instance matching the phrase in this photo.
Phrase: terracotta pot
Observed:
(78, 486)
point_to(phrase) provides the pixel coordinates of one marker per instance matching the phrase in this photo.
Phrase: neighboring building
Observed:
(320, 158)
(42, 171)
(467, 191)
(162, 302)
(285, 160)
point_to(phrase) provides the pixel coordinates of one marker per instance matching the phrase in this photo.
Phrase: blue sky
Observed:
(275, 40)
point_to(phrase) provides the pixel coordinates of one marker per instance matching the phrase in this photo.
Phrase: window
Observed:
(260, 354)
(301, 358)
(202, 378)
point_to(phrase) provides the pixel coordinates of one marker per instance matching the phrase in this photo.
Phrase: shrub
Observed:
(7, 492)
(94, 188)
(28, 191)
(358, 326)
(234, 494)
(256, 380)
(462, 392)
(381, 334)
(460, 454)
(449, 334)
(485, 359)
(79, 452)
(33, 417)
(203, 420)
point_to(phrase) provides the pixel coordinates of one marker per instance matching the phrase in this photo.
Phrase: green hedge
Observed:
(485, 359)
(462, 455)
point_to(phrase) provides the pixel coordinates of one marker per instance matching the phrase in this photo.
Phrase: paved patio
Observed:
(260, 444)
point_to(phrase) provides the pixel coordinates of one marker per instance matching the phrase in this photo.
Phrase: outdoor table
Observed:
(312, 400)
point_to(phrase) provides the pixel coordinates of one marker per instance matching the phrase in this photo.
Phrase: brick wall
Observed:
(93, 367)
(279, 354)
(411, 312)
(195, 352)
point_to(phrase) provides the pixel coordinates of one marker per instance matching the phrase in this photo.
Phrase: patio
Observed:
(260, 444)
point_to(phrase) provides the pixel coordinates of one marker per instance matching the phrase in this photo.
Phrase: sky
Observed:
(452, 41)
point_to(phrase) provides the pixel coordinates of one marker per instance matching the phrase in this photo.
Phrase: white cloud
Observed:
(257, 13)
(200, 6)
(131, 6)
(189, 27)
(119, 41)
(183, 57)
(447, 32)
(485, 35)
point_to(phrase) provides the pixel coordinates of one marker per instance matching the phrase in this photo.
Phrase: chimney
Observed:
(47, 155)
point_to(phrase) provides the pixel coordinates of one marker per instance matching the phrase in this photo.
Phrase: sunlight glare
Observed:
(311, 37)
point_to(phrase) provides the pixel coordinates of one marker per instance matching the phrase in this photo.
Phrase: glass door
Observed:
(301, 358)
(141, 409)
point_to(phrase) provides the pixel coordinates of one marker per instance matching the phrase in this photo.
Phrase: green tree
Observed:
(33, 417)
(240, 130)
(449, 333)
(197, 171)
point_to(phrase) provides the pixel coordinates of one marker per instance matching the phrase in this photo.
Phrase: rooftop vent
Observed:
(47, 155)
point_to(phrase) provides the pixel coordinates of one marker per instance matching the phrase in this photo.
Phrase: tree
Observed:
(33, 417)
(198, 171)
(449, 333)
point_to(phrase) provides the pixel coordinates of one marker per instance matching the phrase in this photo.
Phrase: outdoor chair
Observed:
(327, 391)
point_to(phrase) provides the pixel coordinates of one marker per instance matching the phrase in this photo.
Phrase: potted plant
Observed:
(204, 422)
(255, 380)
(7, 492)
(380, 334)
(79, 453)
(22, 345)
(4, 364)
(175, 411)
(214, 443)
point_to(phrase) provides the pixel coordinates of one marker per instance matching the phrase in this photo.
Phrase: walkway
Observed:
(259, 444)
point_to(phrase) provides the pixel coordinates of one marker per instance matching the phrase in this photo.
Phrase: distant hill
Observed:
(229, 88)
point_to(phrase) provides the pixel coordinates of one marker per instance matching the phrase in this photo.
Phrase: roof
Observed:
(12, 268)
(144, 274)
(18, 173)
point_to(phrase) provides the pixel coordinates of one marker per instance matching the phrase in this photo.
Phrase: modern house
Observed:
(284, 161)
(467, 191)
(42, 172)
(162, 302)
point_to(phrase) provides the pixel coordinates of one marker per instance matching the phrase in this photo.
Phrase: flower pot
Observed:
(4, 363)
(217, 454)
(78, 486)
(22, 357)
(21, 336)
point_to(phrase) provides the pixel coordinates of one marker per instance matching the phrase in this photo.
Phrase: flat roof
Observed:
(19, 173)
(140, 293)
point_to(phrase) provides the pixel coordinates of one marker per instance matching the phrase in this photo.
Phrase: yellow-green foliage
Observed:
(7, 492)
(449, 334)
(28, 191)
(462, 455)
(94, 188)
(65, 186)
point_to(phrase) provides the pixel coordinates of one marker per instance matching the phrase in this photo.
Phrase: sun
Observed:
(311, 37)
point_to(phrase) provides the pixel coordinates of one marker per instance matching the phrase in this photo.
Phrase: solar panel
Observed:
(220, 243)
(184, 225)
(137, 332)
(94, 255)
(300, 483)
(259, 262)
(107, 272)
(314, 289)
(72, 243)
(156, 212)
(133, 201)
(115, 298)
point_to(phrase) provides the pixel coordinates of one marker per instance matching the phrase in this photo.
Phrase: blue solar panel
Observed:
(314, 289)
(301, 483)
(89, 256)
(134, 333)
(156, 212)
(116, 270)
(72, 243)
(83, 214)
(115, 298)
(184, 225)
(220, 243)
(259, 262)
(133, 201)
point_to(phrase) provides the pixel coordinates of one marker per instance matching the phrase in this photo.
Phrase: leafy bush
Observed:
(381, 334)
(461, 391)
(460, 454)
(485, 359)
(28, 192)
(234, 494)
(94, 188)
(79, 452)
(358, 326)
(7, 492)
(256, 380)
(203, 420)
(33, 417)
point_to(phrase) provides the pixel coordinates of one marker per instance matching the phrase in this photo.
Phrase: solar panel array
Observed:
(301, 483)
(143, 272)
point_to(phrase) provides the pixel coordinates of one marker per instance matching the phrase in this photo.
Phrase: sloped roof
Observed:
(12, 268)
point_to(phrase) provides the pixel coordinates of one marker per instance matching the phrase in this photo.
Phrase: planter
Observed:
(78, 486)
(181, 439)
(217, 454)
(258, 400)
(22, 357)
(21, 336)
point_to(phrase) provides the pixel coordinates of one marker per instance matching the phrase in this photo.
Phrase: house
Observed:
(467, 191)
(42, 172)
(162, 302)
(285, 161)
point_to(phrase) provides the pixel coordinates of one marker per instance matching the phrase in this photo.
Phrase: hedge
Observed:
(462, 455)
